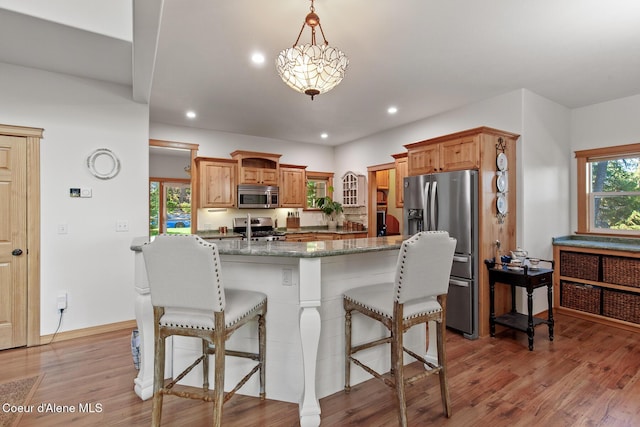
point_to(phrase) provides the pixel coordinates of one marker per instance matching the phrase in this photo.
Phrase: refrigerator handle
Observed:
(425, 208)
(459, 283)
(433, 214)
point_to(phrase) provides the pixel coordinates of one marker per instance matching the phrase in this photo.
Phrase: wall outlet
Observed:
(62, 229)
(122, 225)
(287, 277)
(62, 301)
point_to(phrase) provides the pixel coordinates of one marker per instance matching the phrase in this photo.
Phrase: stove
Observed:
(261, 229)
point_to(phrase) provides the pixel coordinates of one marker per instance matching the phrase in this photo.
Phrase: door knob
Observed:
(16, 252)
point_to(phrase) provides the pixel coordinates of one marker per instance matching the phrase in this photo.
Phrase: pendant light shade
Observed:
(310, 68)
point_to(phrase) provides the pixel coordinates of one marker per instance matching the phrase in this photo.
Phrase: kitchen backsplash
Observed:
(211, 219)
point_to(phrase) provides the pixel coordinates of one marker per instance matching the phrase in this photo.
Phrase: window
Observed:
(169, 206)
(609, 190)
(319, 184)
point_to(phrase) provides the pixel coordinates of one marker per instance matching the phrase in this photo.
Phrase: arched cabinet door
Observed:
(353, 189)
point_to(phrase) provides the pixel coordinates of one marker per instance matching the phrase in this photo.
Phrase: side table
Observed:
(523, 277)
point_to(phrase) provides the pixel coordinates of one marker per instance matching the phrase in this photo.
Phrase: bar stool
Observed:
(418, 295)
(189, 299)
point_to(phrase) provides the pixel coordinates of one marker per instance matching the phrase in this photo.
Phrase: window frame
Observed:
(318, 176)
(584, 211)
(162, 184)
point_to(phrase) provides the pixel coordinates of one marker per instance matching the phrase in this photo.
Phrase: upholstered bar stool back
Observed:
(189, 299)
(418, 295)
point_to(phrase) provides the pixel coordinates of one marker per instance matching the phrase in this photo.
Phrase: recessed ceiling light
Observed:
(392, 110)
(257, 58)
(324, 135)
(191, 114)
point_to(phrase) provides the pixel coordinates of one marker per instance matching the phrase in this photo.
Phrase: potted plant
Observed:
(331, 209)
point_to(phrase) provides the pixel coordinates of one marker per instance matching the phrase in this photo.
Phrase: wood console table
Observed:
(524, 278)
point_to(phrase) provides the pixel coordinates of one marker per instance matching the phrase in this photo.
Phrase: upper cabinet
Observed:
(257, 168)
(353, 189)
(443, 154)
(216, 182)
(402, 171)
(423, 159)
(382, 179)
(460, 153)
(292, 186)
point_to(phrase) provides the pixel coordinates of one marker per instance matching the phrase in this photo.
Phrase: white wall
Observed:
(221, 144)
(602, 125)
(169, 164)
(544, 158)
(543, 182)
(91, 262)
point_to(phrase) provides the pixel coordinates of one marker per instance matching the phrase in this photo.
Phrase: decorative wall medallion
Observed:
(103, 164)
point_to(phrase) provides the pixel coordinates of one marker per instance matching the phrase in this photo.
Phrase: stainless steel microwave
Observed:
(257, 196)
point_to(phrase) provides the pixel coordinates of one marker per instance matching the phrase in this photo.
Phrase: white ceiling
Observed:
(423, 56)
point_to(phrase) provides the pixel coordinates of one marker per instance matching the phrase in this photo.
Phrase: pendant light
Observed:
(310, 68)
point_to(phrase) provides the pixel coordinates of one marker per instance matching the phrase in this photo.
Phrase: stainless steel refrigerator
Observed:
(448, 201)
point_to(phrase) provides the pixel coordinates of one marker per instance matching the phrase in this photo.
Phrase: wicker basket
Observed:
(621, 271)
(578, 296)
(621, 305)
(579, 265)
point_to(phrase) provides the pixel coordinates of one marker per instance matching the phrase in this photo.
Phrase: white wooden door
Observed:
(13, 242)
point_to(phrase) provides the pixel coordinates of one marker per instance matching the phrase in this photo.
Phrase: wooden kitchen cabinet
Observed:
(319, 237)
(292, 186)
(382, 179)
(262, 176)
(257, 168)
(402, 171)
(216, 182)
(343, 236)
(353, 189)
(460, 154)
(443, 155)
(323, 236)
(424, 159)
(300, 237)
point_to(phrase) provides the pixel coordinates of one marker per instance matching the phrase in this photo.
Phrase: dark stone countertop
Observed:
(299, 249)
(599, 242)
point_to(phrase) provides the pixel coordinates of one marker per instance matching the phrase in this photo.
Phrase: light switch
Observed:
(62, 228)
(86, 192)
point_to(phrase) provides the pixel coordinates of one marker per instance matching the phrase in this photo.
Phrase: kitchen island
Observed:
(304, 283)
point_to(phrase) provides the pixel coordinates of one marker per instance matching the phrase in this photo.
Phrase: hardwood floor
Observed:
(589, 376)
